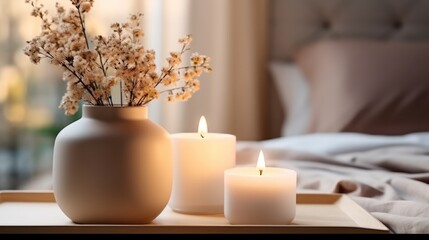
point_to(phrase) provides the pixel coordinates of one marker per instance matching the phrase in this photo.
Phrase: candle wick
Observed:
(260, 172)
(202, 136)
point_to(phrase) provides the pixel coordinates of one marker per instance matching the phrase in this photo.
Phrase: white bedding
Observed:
(334, 143)
(387, 175)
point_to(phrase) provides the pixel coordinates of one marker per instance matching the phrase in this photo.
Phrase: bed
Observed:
(351, 104)
(352, 81)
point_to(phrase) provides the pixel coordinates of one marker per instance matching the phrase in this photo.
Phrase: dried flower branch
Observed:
(92, 66)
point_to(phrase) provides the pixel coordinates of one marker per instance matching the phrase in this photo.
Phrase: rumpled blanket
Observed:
(390, 179)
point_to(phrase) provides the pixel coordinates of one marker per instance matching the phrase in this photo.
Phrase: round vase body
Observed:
(113, 165)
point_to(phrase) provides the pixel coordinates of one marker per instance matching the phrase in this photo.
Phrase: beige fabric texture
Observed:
(390, 182)
(367, 86)
(232, 97)
(299, 22)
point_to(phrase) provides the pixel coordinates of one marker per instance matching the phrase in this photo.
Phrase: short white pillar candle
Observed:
(200, 160)
(260, 195)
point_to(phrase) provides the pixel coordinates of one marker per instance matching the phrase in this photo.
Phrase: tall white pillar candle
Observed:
(200, 160)
(260, 195)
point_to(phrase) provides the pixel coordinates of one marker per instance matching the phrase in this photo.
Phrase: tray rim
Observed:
(47, 196)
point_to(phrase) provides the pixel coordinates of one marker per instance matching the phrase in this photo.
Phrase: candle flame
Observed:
(261, 162)
(202, 126)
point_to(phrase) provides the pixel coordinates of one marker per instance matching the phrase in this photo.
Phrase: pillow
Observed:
(292, 88)
(367, 86)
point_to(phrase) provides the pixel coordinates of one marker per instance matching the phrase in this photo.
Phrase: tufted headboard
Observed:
(296, 23)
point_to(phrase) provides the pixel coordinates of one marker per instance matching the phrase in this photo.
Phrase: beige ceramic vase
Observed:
(113, 165)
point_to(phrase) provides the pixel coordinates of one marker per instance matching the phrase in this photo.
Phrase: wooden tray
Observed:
(37, 212)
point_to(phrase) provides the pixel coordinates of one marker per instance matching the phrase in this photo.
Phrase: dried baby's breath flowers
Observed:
(92, 66)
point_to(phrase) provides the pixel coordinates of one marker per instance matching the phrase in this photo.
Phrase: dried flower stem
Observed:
(82, 24)
(81, 82)
(120, 57)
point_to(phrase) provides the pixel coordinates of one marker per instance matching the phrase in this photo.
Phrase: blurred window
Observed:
(30, 94)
